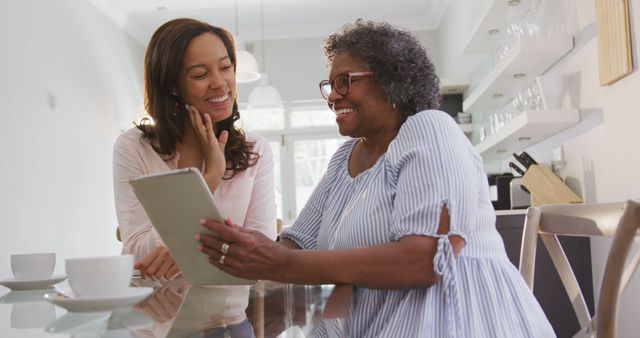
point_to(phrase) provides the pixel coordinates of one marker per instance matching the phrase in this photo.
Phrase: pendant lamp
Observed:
(246, 64)
(264, 96)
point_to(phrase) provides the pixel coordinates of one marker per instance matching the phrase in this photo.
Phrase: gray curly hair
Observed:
(399, 62)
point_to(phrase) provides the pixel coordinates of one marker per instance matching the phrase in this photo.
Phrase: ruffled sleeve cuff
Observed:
(304, 242)
(444, 264)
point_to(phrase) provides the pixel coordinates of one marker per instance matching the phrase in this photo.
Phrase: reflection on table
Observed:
(175, 309)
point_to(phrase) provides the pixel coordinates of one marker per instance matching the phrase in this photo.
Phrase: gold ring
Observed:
(225, 248)
(221, 260)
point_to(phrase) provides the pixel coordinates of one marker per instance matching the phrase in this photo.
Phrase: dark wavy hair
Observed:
(168, 116)
(400, 63)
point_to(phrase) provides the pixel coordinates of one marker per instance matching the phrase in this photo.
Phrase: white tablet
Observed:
(175, 201)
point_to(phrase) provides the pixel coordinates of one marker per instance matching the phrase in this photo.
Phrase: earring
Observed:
(393, 105)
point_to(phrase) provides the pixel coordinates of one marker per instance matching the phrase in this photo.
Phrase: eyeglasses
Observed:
(341, 83)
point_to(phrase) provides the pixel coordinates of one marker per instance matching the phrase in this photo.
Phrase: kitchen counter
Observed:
(511, 212)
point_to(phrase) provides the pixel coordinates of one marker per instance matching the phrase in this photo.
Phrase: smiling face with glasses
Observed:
(362, 107)
(341, 83)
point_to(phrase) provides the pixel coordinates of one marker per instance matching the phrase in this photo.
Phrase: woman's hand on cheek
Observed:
(212, 147)
(250, 254)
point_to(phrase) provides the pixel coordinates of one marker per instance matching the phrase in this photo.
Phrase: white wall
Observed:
(460, 18)
(601, 152)
(294, 66)
(67, 81)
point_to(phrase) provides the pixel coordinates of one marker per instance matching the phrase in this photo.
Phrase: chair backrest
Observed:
(618, 220)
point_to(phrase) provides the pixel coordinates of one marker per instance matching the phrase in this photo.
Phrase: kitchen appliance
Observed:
(502, 202)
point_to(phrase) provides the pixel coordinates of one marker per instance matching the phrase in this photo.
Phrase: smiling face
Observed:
(206, 78)
(365, 111)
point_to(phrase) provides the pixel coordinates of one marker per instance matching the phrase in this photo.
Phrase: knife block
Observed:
(547, 188)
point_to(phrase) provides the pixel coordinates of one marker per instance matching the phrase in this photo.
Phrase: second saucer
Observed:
(132, 296)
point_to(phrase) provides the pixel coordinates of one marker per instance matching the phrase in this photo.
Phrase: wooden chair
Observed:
(618, 220)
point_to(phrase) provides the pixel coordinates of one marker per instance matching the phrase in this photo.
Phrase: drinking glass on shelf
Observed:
(515, 14)
(507, 112)
(514, 31)
(492, 124)
(552, 17)
(479, 134)
(530, 98)
(536, 96)
(530, 18)
(551, 88)
(519, 101)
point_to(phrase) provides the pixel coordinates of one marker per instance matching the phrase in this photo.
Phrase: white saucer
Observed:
(32, 284)
(132, 296)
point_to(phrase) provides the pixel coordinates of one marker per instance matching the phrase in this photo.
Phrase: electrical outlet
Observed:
(558, 158)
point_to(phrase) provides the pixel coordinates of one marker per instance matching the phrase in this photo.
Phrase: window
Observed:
(313, 117)
(311, 158)
(303, 137)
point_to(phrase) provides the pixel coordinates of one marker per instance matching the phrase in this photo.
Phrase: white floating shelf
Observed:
(528, 56)
(467, 128)
(489, 31)
(525, 130)
(453, 85)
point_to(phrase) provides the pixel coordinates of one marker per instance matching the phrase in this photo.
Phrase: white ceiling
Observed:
(282, 18)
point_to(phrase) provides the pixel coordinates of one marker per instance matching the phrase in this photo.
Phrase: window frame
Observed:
(286, 138)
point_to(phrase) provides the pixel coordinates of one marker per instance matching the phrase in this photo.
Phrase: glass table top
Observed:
(175, 309)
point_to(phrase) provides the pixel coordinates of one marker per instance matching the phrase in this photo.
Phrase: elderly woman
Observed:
(403, 213)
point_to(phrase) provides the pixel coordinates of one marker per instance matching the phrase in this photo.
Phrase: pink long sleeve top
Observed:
(248, 198)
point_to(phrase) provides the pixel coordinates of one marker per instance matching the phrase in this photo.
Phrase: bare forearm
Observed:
(407, 263)
(395, 265)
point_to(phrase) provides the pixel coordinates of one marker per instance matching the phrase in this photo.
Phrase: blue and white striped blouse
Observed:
(430, 163)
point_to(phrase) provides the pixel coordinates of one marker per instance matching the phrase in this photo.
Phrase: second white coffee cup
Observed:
(33, 265)
(106, 276)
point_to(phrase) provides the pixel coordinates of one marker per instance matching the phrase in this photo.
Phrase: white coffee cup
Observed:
(97, 277)
(33, 265)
